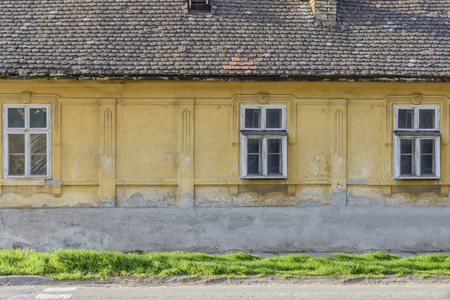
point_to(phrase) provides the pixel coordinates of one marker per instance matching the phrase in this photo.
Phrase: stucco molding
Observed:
(263, 97)
(26, 97)
(416, 98)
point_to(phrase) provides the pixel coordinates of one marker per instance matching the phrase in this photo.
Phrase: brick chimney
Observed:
(324, 12)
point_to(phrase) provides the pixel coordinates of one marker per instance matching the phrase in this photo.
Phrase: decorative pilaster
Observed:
(339, 155)
(186, 153)
(56, 148)
(108, 150)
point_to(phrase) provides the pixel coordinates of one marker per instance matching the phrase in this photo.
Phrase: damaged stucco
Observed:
(138, 200)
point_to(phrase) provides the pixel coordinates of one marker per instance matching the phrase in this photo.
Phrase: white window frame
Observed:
(416, 109)
(417, 134)
(263, 116)
(27, 131)
(264, 133)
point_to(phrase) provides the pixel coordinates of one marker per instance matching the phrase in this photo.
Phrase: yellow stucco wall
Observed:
(151, 143)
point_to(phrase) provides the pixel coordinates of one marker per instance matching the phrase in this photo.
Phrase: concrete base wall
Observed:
(261, 229)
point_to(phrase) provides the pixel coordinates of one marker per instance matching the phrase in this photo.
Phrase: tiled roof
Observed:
(241, 37)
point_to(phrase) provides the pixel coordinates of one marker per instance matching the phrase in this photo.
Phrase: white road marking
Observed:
(61, 289)
(51, 296)
(56, 296)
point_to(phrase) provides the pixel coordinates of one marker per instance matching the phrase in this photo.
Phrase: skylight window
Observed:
(199, 6)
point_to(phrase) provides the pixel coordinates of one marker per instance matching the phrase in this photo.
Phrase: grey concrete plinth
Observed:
(258, 229)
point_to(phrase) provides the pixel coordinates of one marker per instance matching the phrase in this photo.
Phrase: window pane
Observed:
(406, 157)
(406, 146)
(254, 156)
(427, 146)
(426, 165)
(426, 118)
(38, 143)
(274, 156)
(16, 143)
(253, 165)
(254, 146)
(252, 118)
(16, 165)
(274, 164)
(16, 154)
(406, 118)
(427, 157)
(406, 165)
(274, 118)
(38, 118)
(274, 146)
(38, 154)
(38, 164)
(16, 118)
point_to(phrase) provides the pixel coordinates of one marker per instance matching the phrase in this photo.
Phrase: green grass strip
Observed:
(85, 264)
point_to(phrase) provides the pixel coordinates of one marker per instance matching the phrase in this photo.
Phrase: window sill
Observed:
(264, 177)
(264, 132)
(417, 177)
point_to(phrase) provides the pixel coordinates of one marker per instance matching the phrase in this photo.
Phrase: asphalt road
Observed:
(207, 292)
(249, 287)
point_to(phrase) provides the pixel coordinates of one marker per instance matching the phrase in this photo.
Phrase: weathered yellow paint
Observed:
(212, 136)
(367, 143)
(313, 120)
(80, 141)
(147, 145)
(169, 143)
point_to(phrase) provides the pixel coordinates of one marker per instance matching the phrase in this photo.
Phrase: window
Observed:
(26, 141)
(199, 6)
(263, 141)
(416, 141)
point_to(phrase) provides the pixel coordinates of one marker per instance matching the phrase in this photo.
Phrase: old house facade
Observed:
(218, 125)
